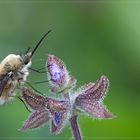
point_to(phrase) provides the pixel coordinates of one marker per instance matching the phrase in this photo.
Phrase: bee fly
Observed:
(14, 71)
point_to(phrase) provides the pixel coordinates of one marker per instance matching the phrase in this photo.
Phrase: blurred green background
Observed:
(93, 39)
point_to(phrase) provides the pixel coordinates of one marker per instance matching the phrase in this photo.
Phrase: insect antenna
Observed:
(27, 51)
(39, 42)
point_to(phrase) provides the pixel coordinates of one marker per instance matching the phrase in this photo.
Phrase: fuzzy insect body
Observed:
(14, 70)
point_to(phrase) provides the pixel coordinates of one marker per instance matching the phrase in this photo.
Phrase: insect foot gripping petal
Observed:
(90, 98)
(36, 119)
(59, 78)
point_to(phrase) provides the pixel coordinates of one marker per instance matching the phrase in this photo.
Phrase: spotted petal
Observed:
(57, 105)
(32, 100)
(94, 108)
(95, 91)
(90, 98)
(36, 119)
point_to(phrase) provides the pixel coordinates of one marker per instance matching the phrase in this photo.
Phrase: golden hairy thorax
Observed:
(10, 63)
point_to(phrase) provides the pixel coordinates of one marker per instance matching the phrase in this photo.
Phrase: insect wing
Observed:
(3, 81)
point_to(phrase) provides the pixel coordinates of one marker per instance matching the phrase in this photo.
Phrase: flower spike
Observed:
(88, 99)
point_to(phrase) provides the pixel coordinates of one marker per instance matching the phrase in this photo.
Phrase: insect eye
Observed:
(26, 60)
